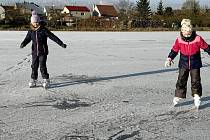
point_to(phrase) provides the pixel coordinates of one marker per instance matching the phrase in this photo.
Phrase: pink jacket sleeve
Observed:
(176, 47)
(203, 44)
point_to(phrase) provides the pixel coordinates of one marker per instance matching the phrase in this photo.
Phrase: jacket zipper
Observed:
(44, 49)
(37, 46)
(189, 54)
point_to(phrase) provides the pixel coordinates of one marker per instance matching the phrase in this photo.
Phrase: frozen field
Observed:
(104, 86)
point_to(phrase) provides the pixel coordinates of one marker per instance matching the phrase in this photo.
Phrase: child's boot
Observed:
(176, 100)
(32, 83)
(197, 100)
(46, 83)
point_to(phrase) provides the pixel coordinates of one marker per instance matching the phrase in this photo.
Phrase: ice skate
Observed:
(46, 83)
(32, 83)
(197, 101)
(176, 100)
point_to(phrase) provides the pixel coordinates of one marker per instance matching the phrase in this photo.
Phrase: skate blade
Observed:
(46, 86)
(32, 86)
(195, 108)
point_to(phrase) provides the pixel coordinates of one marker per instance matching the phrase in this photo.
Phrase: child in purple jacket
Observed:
(38, 34)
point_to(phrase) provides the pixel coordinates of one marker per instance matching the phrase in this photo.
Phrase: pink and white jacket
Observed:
(190, 56)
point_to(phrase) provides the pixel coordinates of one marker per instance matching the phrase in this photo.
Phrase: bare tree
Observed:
(125, 8)
(191, 5)
(125, 5)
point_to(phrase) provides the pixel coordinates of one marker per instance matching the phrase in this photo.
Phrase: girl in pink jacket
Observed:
(188, 44)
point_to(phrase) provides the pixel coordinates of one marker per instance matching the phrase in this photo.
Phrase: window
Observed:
(82, 14)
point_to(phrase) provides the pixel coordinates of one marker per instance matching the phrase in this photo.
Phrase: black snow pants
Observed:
(36, 62)
(181, 85)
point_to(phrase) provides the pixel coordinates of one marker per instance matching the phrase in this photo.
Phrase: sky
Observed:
(175, 4)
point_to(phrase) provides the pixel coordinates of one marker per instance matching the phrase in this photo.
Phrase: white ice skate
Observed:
(176, 100)
(32, 83)
(46, 83)
(197, 101)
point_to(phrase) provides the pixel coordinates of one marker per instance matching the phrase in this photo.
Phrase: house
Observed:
(9, 10)
(2, 13)
(49, 10)
(77, 11)
(52, 12)
(14, 17)
(106, 11)
(26, 8)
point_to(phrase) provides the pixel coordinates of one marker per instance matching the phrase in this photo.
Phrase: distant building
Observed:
(26, 8)
(2, 13)
(49, 10)
(52, 12)
(77, 11)
(9, 10)
(106, 11)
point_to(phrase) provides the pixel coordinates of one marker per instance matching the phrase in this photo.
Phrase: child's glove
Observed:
(168, 62)
(22, 46)
(63, 45)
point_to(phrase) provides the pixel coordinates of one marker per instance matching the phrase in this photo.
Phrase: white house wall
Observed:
(79, 14)
(65, 10)
(2, 13)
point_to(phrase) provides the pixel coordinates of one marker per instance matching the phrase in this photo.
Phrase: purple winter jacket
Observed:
(39, 40)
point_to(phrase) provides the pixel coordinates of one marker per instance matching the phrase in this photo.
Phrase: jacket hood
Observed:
(34, 28)
(42, 24)
(188, 39)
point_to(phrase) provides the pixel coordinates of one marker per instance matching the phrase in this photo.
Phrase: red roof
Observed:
(107, 10)
(78, 8)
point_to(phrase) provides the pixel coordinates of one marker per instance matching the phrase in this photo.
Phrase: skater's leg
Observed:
(43, 69)
(34, 66)
(34, 73)
(181, 85)
(196, 86)
(43, 66)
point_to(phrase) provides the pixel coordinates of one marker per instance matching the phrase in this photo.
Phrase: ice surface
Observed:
(104, 85)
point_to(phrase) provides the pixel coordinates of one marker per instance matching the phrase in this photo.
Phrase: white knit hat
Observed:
(186, 21)
(186, 25)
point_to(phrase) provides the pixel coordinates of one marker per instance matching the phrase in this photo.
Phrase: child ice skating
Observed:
(189, 44)
(38, 34)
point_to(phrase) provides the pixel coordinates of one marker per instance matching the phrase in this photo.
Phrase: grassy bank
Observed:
(65, 28)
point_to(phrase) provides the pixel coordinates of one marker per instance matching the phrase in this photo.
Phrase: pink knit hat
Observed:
(35, 17)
